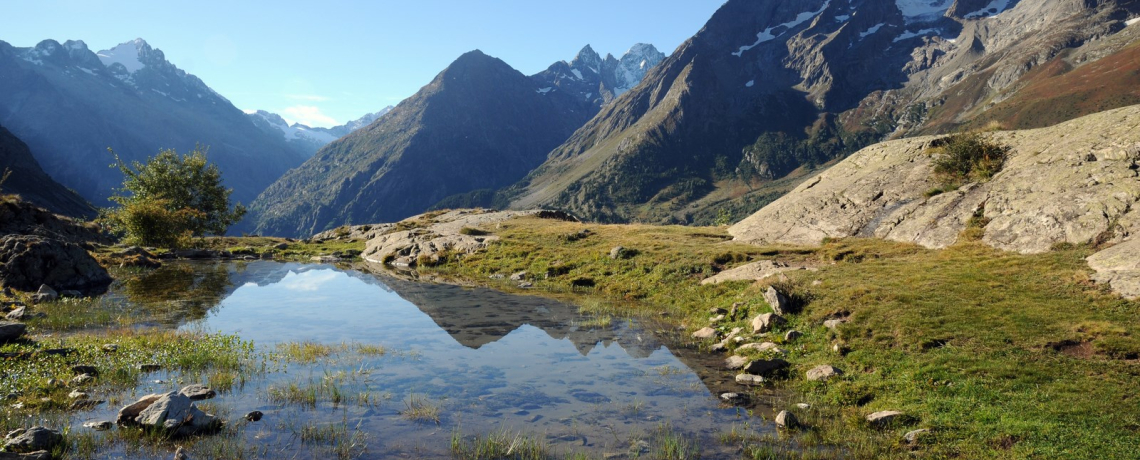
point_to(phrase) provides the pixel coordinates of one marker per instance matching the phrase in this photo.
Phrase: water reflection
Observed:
(484, 358)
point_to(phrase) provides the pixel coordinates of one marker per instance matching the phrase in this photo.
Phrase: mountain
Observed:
(769, 90)
(595, 81)
(27, 179)
(479, 124)
(70, 105)
(304, 138)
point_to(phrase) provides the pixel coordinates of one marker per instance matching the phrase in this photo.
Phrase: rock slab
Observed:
(28, 262)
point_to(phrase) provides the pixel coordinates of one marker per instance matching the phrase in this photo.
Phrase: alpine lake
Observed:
(352, 362)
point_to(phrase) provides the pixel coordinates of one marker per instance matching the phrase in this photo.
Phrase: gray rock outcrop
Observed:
(1075, 182)
(28, 261)
(175, 412)
(823, 373)
(10, 331)
(33, 439)
(1119, 267)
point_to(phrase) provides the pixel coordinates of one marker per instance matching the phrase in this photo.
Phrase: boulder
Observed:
(10, 331)
(734, 398)
(766, 367)
(823, 373)
(32, 439)
(778, 301)
(833, 323)
(786, 420)
(28, 262)
(17, 314)
(197, 392)
(180, 454)
(766, 322)
(792, 335)
(520, 276)
(135, 256)
(765, 347)
(885, 418)
(45, 294)
(1119, 267)
(175, 412)
(81, 379)
(749, 379)
(128, 414)
(735, 362)
(705, 334)
(84, 369)
(37, 455)
(750, 272)
(913, 435)
(101, 425)
(254, 416)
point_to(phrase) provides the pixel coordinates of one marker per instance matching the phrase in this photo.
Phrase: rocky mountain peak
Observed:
(132, 55)
(587, 58)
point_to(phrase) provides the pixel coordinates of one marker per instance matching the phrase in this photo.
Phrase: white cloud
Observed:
(308, 115)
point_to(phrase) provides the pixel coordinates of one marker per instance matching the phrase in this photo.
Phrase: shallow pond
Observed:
(369, 366)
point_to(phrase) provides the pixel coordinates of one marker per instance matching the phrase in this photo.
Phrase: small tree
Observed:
(172, 198)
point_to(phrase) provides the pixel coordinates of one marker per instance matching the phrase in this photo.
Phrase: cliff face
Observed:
(1075, 182)
(28, 180)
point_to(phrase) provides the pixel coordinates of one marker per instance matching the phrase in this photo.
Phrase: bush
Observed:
(967, 157)
(170, 199)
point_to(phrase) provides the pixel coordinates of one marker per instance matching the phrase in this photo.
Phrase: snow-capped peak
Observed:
(126, 54)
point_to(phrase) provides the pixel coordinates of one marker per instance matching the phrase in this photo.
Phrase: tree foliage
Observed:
(171, 198)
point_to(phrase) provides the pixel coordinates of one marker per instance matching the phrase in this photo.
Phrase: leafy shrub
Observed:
(471, 231)
(967, 157)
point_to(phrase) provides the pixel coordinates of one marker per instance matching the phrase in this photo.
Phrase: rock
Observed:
(83, 369)
(45, 294)
(180, 454)
(833, 323)
(885, 418)
(1042, 196)
(102, 425)
(430, 235)
(150, 367)
(135, 256)
(28, 262)
(110, 348)
(735, 362)
(749, 272)
(749, 379)
(70, 293)
(716, 319)
(616, 253)
(705, 334)
(792, 335)
(254, 416)
(177, 413)
(786, 420)
(519, 276)
(10, 331)
(76, 394)
(717, 311)
(1119, 267)
(17, 314)
(804, 406)
(912, 436)
(766, 347)
(734, 398)
(82, 379)
(197, 392)
(281, 246)
(766, 367)
(777, 300)
(733, 334)
(85, 404)
(32, 439)
(37, 455)
(823, 372)
(766, 322)
(497, 276)
(128, 414)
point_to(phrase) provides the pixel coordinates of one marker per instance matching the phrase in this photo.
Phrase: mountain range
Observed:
(305, 139)
(479, 125)
(70, 104)
(20, 174)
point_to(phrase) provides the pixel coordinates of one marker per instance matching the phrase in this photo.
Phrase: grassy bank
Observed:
(999, 355)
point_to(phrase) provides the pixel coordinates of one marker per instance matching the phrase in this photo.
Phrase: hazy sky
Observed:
(326, 62)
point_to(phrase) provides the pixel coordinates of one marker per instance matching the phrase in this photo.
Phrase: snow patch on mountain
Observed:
(1131, 21)
(908, 34)
(633, 65)
(544, 90)
(126, 54)
(919, 10)
(577, 74)
(874, 29)
(994, 8)
(766, 34)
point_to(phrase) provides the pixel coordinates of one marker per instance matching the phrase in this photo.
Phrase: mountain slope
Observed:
(478, 124)
(70, 104)
(28, 180)
(305, 139)
(768, 88)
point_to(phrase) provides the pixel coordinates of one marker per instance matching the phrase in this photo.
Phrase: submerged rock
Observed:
(101, 425)
(197, 392)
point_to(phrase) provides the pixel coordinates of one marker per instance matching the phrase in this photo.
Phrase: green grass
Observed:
(1001, 355)
(499, 445)
(420, 409)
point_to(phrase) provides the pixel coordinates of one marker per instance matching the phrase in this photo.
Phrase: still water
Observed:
(416, 365)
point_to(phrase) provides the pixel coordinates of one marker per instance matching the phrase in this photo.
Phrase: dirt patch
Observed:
(1074, 348)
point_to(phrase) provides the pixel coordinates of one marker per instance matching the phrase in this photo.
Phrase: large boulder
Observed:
(33, 439)
(1075, 182)
(176, 413)
(10, 331)
(28, 262)
(1119, 267)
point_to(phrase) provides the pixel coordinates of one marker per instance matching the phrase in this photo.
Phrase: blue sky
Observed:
(327, 62)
